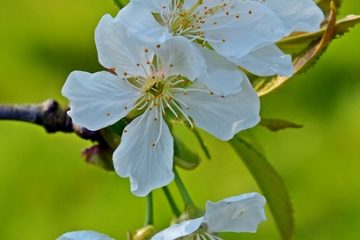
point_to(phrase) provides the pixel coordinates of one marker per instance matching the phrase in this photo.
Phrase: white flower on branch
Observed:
(149, 82)
(243, 31)
(236, 214)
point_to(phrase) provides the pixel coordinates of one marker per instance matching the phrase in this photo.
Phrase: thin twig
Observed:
(49, 115)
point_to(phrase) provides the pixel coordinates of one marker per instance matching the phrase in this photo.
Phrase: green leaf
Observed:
(343, 26)
(184, 157)
(296, 43)
(278, 124)
(270, 183)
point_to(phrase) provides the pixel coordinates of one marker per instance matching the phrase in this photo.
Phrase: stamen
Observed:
(128, 81)
(171, 109)
(181, 102)
(191, 90)
(143, 100)
(211, 237)
(183, 113)
(162, 106)
(177, 82)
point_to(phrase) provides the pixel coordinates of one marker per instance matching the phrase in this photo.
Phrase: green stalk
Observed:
(171, 202)
(183, 192)
(149, 210)
(202, 143)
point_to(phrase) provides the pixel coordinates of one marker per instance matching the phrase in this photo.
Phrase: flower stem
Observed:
(183, 192)
(149, 210)
(202, 143)
(171, 202)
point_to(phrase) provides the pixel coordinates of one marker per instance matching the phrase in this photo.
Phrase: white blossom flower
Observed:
(236, 214)
(84, 235)
(151, 81)
(243, 31)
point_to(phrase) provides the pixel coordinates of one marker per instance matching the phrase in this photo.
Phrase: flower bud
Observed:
(99, 155)
(144, 233)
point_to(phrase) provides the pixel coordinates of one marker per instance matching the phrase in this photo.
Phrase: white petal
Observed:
(137, 17)
(222, 116)
(149, 166)
(189, 3)
(84, 235)
(249, 24)
(208, 3)
(179, 230)
(179, 57)
(297, 15)
(120, 49)
(98, 100)
(221, 76)
(267, 61)
(154, 5)
(237, 214)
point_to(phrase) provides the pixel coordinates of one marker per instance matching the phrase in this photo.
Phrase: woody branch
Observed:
(48, 114)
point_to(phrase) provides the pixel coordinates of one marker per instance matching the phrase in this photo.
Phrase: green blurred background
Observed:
(47, 189)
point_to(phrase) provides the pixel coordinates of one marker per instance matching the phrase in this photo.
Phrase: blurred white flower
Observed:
(243, 31)
(150, 81)
(241, 213)
(84, 235)
(236, 214)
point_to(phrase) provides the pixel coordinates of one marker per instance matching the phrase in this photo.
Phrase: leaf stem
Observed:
(149, 210)
(171, 201)
(183, 192)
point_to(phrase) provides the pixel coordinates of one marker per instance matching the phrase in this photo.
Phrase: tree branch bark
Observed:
(51, 116)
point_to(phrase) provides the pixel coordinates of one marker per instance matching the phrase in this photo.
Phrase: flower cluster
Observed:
(184, 60)
(152, 82)
(179, 59)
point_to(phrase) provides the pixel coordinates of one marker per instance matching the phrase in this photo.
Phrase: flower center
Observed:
(185, 19)
(158, 92)
(196, 20)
